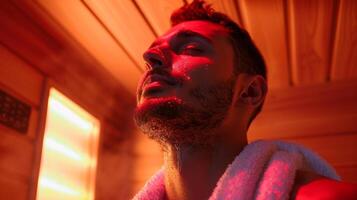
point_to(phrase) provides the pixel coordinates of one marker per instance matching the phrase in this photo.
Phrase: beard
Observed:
(170, 120)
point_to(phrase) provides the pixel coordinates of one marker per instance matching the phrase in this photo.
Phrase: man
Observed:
(205, 82)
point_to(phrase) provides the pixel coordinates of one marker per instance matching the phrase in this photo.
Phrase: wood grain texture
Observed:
(125, 22)
(311, 110)
(158, 13)
(13, 188)
(16, 153)
(23, 83)
(20, 77)
(43, 44)
(82, 25)
(115, 167)
(265, 21)
(344, 62)
(339, 149)
(311, 30)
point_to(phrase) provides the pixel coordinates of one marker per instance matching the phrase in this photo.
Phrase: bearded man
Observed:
(205, 83)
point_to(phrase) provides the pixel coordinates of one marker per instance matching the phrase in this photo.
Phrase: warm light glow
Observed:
(69, 154)
(69, 115)
(60, 148)
(47, 183)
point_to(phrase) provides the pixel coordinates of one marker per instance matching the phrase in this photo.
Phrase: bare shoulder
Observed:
(313, 186)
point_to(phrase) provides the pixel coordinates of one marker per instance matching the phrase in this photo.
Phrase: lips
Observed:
(155, 83)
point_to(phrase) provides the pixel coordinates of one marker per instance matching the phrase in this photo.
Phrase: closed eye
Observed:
(191, 49)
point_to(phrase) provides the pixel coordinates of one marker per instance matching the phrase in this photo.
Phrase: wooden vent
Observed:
(14, 113)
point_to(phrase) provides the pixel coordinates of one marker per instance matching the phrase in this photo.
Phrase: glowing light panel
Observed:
(69, 153)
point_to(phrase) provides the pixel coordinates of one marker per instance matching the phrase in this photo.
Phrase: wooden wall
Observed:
(17, 149)
(20, 153)
(35, 54)
(312, 77)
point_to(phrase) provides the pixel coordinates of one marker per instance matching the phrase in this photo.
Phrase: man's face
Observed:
(187, 89)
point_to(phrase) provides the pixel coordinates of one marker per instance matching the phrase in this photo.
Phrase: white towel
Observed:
(263, 170)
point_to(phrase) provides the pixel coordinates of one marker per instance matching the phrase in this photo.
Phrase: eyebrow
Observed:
(184, 33)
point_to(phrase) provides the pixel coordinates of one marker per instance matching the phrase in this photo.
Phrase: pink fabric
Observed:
(263, 170)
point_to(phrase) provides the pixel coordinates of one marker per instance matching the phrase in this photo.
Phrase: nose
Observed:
(156, 58)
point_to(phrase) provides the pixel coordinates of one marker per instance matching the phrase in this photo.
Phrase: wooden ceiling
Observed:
(304, 42)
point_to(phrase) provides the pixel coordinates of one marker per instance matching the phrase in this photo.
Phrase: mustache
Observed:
(161, 75)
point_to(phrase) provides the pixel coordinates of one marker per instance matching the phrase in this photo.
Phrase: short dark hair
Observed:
(248, 57)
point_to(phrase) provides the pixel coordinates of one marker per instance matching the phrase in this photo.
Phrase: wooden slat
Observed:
(86, 29)
(344, 63)
(338, 150)
(158, 13)
(311, 110)
(146, 152)
(126, 23)
(16, 153)
(20, 77)
(13, 188)
(147, 159)
(146, 166)
(265, 21)
(44, 45)
(115, 166)
(145, 146)
(311, 32)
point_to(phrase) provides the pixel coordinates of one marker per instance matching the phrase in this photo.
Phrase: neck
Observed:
(192, 172)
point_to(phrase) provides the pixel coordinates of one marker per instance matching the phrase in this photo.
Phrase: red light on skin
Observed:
(153, 88)
(311, 186)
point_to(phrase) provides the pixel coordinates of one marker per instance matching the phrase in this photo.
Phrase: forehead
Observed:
(205, 29)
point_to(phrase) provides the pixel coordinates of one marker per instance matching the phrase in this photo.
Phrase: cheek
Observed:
(196, 68)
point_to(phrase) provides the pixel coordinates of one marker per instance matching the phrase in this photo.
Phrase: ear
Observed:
(254, 92)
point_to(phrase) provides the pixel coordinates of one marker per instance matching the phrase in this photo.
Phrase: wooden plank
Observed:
(344, 62)
(126, 23)
(16, 153)
(311, 24)
(13, 188)
(20, 77)
(265, 21)
(148, 153)
(42, 42)
(87, 30)
(310, 110)
(158, 13)
(338, 150)
(115, 166)
(145, 146)
(146, 166)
